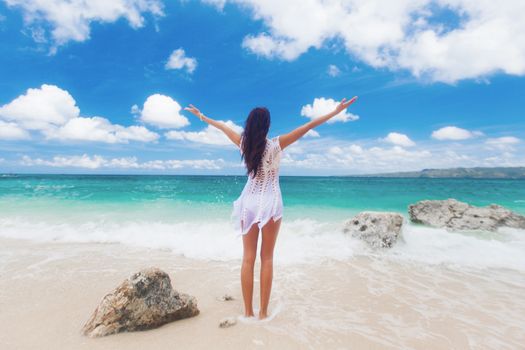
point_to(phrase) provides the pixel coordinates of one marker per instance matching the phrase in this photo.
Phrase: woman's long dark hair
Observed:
(254, 138)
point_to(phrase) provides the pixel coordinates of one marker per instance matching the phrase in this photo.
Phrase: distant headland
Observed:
(471, 173)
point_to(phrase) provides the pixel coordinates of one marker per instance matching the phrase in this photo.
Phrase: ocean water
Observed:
(190, 215)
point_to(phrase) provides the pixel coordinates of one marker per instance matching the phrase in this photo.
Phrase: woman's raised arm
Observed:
(287, 139)
(232, 135)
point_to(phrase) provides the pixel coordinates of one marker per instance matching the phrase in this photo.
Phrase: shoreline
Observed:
(48, 290)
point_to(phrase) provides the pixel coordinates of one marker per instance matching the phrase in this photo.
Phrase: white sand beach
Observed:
(48, 290)
(379, 147)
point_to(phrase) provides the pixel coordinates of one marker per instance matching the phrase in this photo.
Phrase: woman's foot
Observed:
(263, 315)
(249, 314)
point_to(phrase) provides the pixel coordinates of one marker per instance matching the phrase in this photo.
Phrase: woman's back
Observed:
(261, 198)
(271, 157)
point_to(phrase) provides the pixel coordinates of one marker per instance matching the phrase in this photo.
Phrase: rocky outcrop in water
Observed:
(456, 215)
(377, 229)
(143, 301)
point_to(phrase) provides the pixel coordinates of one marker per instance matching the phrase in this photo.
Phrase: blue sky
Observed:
(97, 88)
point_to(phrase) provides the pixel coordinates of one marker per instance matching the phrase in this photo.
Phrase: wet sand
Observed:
(48, 291)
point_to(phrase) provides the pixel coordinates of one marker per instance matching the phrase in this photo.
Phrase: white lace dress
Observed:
(261, 197)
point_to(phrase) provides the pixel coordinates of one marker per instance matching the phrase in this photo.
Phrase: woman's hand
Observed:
(344, 104)
(230, 133)
(194, 110)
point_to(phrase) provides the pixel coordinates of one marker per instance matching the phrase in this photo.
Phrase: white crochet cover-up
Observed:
(261, 198)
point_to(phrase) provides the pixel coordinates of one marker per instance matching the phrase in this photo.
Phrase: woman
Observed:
(259, 206)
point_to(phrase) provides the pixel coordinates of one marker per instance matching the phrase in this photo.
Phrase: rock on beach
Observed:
(455, 215)
(377, 229)
(143, 301)
(227, 322)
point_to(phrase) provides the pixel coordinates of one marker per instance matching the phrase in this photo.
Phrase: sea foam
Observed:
(300, 240)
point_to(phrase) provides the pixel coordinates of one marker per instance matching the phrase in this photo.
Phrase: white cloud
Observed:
(11, 131)
(135, 109)
(398, 139)
(83, 161)
(41, 108)
(505, 140)
(406, 34)
(38, 34)
(269, 47)
(357, 159)
(53, 111)
(355, 149)
(179, 60)
(209, 135)
(295, 148)
(322, 106)
(71, 20)
(505, 143)
(97, 162)
(335, 150)
(162, 111)
(210, 164)
(454, 133)
(100, 130)
(134, 133)
(329, 156)
(326, 156)
(333, 70)
(311, 133)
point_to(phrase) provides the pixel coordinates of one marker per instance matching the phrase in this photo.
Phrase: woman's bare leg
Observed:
(269, 236)
(249, 241)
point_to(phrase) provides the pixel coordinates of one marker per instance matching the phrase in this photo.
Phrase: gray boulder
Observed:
(377, 229)
(143, 301)
(456, 215)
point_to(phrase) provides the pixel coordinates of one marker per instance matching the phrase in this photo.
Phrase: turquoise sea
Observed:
(191, 214)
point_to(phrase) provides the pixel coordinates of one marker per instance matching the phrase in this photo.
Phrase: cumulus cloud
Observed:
(11, 131)
(161, 111)
(179, 60)
(398, 35)
(209, 135)
(97, 162)
(454, 133)
(53, 112)
(66, 21)
(100, 130)
(322, 106)
(398, 139)
(41, 108)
